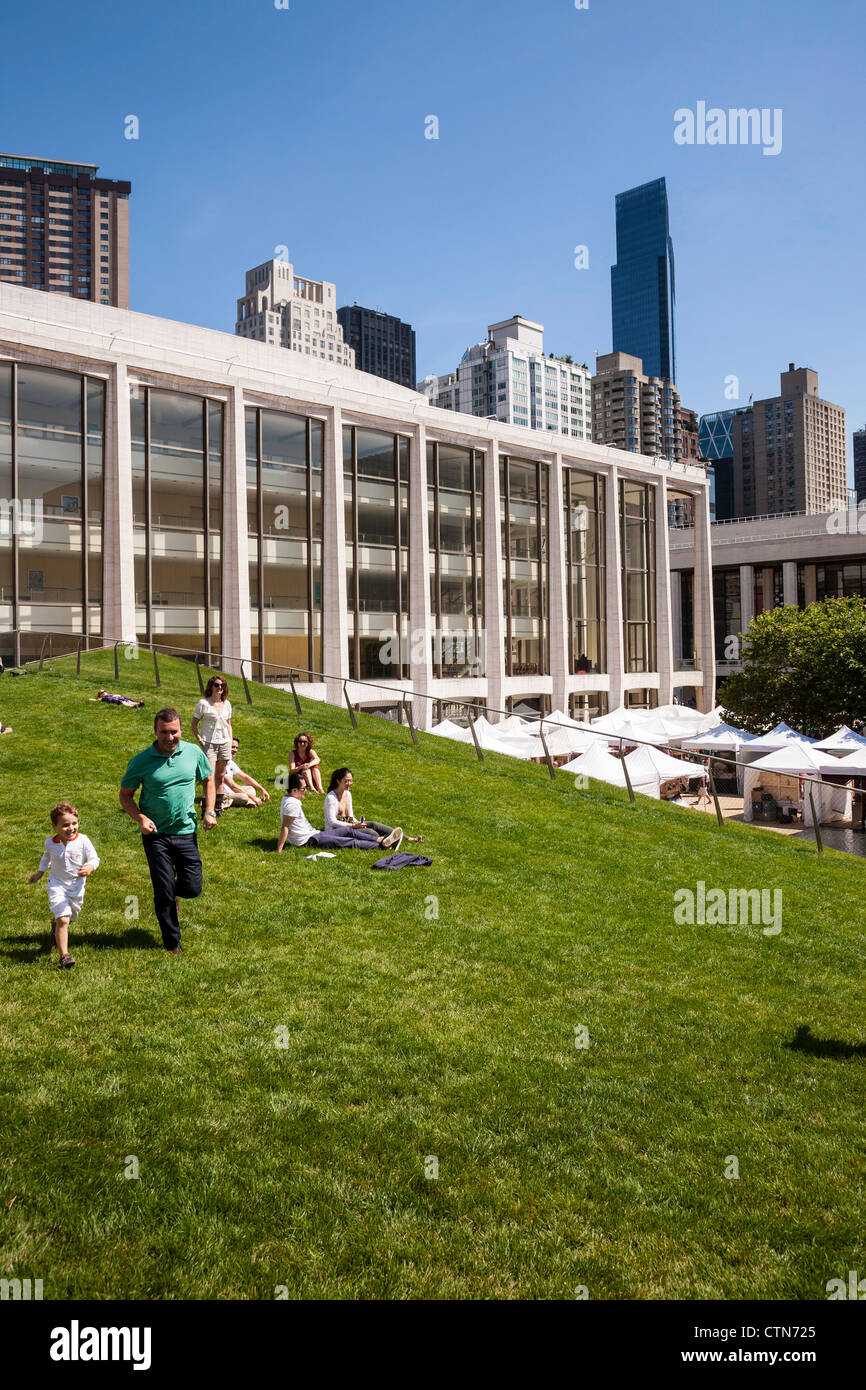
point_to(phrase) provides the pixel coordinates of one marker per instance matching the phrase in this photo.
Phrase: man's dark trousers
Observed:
(175, 872)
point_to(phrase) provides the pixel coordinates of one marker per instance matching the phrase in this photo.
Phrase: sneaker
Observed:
(67, 962)
(392, 839)
(173, 950)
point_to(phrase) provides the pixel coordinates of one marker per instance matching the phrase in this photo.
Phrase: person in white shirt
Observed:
(239, 789)
(340, 812)
(214, 713)
(296, 830)
(71, 858)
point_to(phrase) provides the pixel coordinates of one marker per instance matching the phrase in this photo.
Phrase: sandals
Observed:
(67, 962)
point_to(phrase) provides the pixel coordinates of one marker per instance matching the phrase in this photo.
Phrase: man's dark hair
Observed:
(165, 716)
(296, 781)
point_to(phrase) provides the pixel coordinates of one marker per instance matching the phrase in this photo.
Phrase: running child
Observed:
(71, 858)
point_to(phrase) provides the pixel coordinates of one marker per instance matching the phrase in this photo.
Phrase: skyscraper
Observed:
(860, 463)
(789, 450)
(509, 378)
(64, 229)
(283, 309)
(383, 344)
(716, 444)
(642, 281)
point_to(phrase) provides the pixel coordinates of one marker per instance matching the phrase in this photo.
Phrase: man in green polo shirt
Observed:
(167, 772)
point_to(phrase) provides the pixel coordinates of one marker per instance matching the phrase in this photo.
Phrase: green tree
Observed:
(807, 667)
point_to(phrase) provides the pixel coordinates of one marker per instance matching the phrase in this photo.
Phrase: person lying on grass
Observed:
(239, 789)
(339, 810)
(108, 699)
(304, 758)
(296, 829)
(71, 858)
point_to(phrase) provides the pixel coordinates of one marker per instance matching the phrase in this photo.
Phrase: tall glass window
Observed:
(455, 501)
(523, 510)
(177, 453)
(284, 516)
(727, 611)
(584, 522)
(51, 433)
(376, 493)
(637, 522)
(686, 657)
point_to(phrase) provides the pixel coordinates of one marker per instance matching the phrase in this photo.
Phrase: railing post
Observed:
(475, 736)
(627, 778)
(349, 707)
(410, 722)
(550, 766)
(818, 841)
(116, 667)
(298, 709)
(81, 639)
(42, 652)
(244, 679)
(198, 657)
(719, 815)
(155, 668)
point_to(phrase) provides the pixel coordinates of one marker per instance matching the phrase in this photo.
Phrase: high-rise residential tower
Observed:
(63, 229)
(383, 345)
(790, 451)
(282, 309)
(509, 378)
(716, 445)
(633, 410)
(642, 281)
(860, 464)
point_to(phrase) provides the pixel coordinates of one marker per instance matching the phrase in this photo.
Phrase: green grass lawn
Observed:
(410, 1036)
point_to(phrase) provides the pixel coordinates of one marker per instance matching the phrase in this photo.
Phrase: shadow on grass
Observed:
(806, 1041)
(30, 948)
(262, 843)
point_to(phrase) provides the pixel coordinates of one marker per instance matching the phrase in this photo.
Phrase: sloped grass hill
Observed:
(356, 1084)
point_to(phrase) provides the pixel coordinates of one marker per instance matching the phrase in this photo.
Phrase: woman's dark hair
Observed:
(208, 690)
(299, 736)
(336, 777)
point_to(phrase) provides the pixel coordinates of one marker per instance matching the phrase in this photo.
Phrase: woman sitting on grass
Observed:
(339, 811)
(296, 829)
(304, 759)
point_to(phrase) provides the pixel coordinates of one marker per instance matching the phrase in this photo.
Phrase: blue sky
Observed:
(305, 127)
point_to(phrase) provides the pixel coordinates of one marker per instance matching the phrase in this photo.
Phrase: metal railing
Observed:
(403, 699)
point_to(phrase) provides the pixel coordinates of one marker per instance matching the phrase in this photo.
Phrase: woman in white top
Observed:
(339, 811)
(214, 713)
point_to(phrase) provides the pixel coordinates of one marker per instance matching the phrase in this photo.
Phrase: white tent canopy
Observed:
(644, 762)
(723, 736)
(853, 763)
(794, 760)
(602, 766)
(779, 737)
(844, 740)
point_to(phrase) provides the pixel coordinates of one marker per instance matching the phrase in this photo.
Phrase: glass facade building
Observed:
(51, 470)
(637, 502)
(642, 281)
(376, 496)
(523, 510)
(584, 530)
(455, 502)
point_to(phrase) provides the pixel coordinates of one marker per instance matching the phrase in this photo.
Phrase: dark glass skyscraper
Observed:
(642, 281)
(383, 344)
(860, 463)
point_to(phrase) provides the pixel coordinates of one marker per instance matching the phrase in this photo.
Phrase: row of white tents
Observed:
(759, 758)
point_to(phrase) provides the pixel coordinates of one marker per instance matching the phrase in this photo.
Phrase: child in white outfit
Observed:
(71, 858)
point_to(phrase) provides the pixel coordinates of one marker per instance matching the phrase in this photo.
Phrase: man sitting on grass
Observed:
(296, 829)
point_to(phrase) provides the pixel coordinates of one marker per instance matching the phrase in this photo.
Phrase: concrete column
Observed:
(118, 562)
(494, 610)
(747, 596)
(420, 565)
(613, 590)
(557, 618)
(235, 625)
(677, 618)
(664, 625)
(789, 582)
(335, 636)
(810, 579)
(705, 642)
